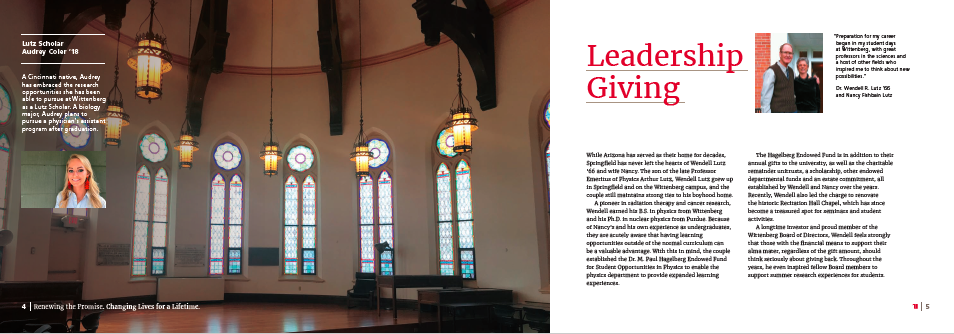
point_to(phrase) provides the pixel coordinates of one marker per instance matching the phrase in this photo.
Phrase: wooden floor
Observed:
(252, 317)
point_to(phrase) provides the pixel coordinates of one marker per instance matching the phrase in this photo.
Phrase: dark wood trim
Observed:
(329, 52)
(208, 56)
(472, 29)
(78, 14)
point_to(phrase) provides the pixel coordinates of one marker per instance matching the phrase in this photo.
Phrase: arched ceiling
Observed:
(388, 27)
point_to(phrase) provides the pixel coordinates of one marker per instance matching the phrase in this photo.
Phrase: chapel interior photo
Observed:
(279, 166)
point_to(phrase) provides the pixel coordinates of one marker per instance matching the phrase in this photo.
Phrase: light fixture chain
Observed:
(360, 66)
(189, 60)
(152, 13)
(188, 125)
(118, 35)
(460, 91)
(271, 77)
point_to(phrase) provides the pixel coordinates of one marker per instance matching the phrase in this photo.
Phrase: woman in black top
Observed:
(807, 92)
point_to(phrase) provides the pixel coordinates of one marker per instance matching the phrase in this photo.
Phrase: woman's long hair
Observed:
(93, 191)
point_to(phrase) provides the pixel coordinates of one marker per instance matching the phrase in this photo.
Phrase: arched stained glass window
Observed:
(376, 206)
(291, 226)
(151, 212)
(300, 245)
(366, 191)
(160, 221)
(235, 224)
(385, 222)
(74, 131)
(456, 246)
(7, 134)
(465, 221)
(548, 114)
(226, 210)
(548, 171)
(308, 226)
(217, 236)
(545, 136)
(4, 174)
(542, 164)
(6, 108)
(445, 222)
(141, 223)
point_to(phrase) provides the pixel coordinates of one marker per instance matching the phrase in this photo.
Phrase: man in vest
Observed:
(778, 84)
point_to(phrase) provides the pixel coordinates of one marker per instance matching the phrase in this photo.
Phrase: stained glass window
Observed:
(227, 156)
(227, 205)
(375, 202)
(300, 250)
(384, 202)
(6, 126)
(300, 158)
(444, 221)
(159, 221)
(153, 147)
(7, 134)
(158, 261)
(217, 235)
(455, 237)
(548, 114)
(235, 225)
(141, 222)
(385, 221)
(308, 226)
(5, 107)
(75, 131)
(4, 169)
(445, 143)
(387, 263)
(291, 226)
(160, 208)
(548, 172)
(151, 211)
(544, 146)
(366, 202)
(379, 152)
(465, 221)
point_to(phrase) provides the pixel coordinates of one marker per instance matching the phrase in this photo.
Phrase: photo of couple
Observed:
(782, 88)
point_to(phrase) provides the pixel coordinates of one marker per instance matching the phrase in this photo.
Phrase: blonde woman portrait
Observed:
(81, 189)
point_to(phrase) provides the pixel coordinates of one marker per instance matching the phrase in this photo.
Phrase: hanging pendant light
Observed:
(150, 59)
(360, 153)
(462, 116)
(270, 153)
(187, 145)
(114, 117)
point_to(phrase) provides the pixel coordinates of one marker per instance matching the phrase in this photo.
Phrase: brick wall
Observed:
(763, 59)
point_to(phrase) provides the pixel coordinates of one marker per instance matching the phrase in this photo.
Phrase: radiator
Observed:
(190, 289)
